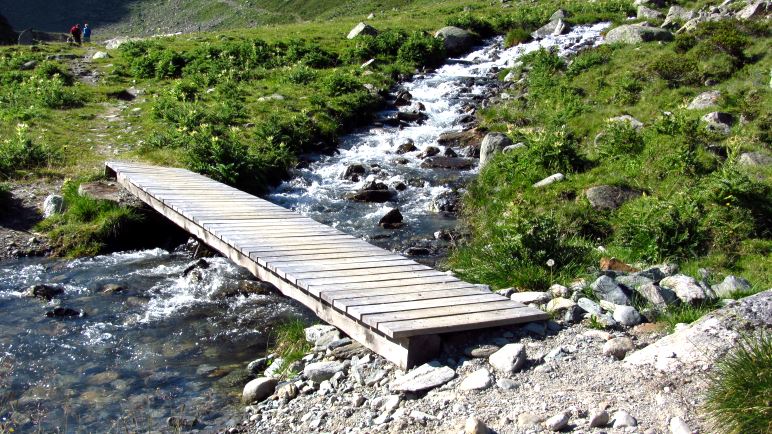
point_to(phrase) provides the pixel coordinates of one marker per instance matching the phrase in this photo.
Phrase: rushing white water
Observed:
(319, 190)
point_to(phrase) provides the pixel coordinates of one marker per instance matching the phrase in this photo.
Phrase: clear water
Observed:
(172, 345)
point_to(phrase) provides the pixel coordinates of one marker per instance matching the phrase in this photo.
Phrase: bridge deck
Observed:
(393, 305)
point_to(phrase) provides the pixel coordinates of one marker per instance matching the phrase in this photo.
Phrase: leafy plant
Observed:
(421, 49)
(20, 152)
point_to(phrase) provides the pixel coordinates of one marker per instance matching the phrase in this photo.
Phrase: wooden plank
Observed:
(467, 321)
(367, 288)
(414, 301)
(335, 255)
(309, 281)
(374, 320)
(345, 299)
(340, 264)
(369, 269)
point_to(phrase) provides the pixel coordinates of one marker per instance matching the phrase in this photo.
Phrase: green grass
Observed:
(87, 226)
(739, 395)
(290, 341)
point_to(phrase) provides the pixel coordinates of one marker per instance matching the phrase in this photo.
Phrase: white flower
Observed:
(550, 263)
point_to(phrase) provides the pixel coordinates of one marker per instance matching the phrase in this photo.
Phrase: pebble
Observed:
(477, 380)
(506, 384)
(509, 359)
(623, 419)
(474, 425)
(618, 347)
(558, 421)
(598, 418)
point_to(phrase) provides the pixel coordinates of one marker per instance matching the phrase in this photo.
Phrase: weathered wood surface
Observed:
(389, 303)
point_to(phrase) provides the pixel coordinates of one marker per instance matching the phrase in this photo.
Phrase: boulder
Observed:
(605, 288)
(362, 29)
(754, 9)
(623, 419)
(558, 421)
(474, 425)
(657, 295)
(553, 28)
(754, 159)
(550, 180)
(618, 347)
(406, 147)
(730, 285)
(598, 418)
(677, 15)
(320, 371)
(373, 192)
(509, 359)
(478, 380)
(705, 100)
(100, 55)
(258, 389)
(719, 122)
(635, 123)
(446, 201)
(43, 291)
(589, 306)
(64, 312)
(648, 13)
(461, 139)
(354, 172)
(28, 66)
(53, 204)
(635, 33)
(392, 220)
(456, 40)
(685, 287)
(609, 197)
(430, 151)
(492, 144)
(438, 162)
(627, 316)
(425, 377)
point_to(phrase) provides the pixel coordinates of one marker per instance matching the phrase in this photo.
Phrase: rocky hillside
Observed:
(120, 17)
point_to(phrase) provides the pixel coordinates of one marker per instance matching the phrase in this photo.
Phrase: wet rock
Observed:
(53, 204)
(635, 33)
(374, 192)
(44, 291)
(181, 423)
(320, 371)
(618, 347)
(605, 288)
(477, 380)
(447, 202)
(257, 366)
(258, 389)
(461, 139)
(558, 421)
(550, 180)
(430, 151)
(705, 100)
(553, 28)
(608, 197)
(406, 147)
(403, 98)
(492, 144)
(474, 425)
(354, 172)
(447, 163)
(754, 159)
(456, 40)
(392, 220)
(200, 264)
(719, 122)
(417, 251)
(449, 152)
(685, 287)
(362, 29)
(111, 288)
(411, 116)
(64, 312)
(425, 377)
(509, 359)
(730, 285)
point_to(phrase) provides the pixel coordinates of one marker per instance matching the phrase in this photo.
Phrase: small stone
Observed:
(288, 391)
(719, 121)
(320, 371)
(509, 359)
(481, 351)
(678, 426)
(474, 425)
(730, 285)
(531, 297)
(627, 315)
(53, 204)
(317, 331)
(362, 29)
(558, 421)
(258, 389)
(605, 288)
(685, 287)
(622, 419)
(392, 219)
(618, 347)
(100, 55)
(550, 180)
(559, 305)
(44, 291)
(557, 290)
(425, 377)
(477, 380)
(507, 384)
(589, 306)
(598, 418)
(529, 419)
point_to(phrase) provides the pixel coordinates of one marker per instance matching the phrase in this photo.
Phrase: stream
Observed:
(161, 336)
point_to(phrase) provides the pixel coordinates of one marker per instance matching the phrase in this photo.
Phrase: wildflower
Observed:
(550, 263)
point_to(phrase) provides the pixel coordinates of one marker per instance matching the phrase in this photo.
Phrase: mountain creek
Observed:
(137, 338)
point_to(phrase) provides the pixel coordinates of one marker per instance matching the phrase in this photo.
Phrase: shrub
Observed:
(467, 21)
(421, 49)
(676, 70)
(590, 58)
(724, 36)
(739, 394)
(50, 70)
(515, 37)
(299, 74)
(340, 83)
(169, 64)
(19, 152)
(619, 139)
(627, 88)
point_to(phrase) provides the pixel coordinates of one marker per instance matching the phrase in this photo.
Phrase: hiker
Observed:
(75, 32)
(86, 33)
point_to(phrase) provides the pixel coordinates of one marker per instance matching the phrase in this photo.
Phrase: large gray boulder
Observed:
(754, 159)
(730, 285)
(755, 9)
(705, 100)
(492, 144)
(509, 359)
(697, 346)
(258, 389)
(608, 197)
(635, 34)
(362, 29)
(320, 371)
(648, 13)
(677, 15)
(605, 288)
(553, 28)
(686, 288)
(719, 122)
(456, 40)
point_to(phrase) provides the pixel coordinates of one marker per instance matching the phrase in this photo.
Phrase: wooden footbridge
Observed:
(389, 303)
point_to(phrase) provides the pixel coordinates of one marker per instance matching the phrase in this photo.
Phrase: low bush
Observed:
(676, 70)
(516, 37)
(421, 49)
(590, 58)
(20, 152)
(738, 399)
(467, 21)
(620, 139)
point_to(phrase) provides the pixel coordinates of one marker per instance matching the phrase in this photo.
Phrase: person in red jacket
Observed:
(75, 32)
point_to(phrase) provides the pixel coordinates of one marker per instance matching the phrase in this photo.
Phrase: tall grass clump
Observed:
(290, 341)
(739, 394)
(20, 152)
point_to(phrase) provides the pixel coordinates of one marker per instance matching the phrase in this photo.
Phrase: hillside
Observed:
(144, 17)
